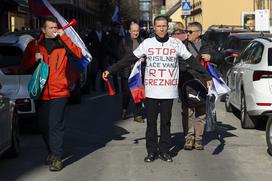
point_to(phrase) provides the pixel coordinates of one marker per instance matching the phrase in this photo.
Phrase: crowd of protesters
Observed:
(114, 52)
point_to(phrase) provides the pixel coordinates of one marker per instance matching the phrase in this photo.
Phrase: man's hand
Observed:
(105, 75)
(206, 57)
(38, 56)
(60, 32)
(209, 84)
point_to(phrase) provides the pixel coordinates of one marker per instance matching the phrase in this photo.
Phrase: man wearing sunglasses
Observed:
(161, 84)
(193, 118)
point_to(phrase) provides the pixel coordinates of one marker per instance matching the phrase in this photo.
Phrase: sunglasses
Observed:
(191, 31)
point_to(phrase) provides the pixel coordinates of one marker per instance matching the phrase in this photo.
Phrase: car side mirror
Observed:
(229, 59)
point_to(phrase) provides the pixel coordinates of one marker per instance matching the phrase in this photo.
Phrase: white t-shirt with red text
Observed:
(162, 66)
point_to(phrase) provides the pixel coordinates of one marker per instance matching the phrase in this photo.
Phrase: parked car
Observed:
(219, 33)
(14, 81)
(269, 134)
(9, 134)
(233, 46)
(250, 81)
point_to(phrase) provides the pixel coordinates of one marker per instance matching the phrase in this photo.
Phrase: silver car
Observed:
(9, 137)
(14, 82)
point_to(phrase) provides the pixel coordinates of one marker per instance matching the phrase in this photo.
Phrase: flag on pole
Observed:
(117, 19)
(135, 83)
(44, 8)
(116, 15)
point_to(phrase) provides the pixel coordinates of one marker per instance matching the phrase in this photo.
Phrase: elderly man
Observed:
(131, 43)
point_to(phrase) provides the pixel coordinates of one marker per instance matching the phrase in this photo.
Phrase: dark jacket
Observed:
(128, 48)
(96, 47)
(114, 47)
(188, 73)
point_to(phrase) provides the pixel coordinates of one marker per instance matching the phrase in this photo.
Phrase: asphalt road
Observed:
(101, 147)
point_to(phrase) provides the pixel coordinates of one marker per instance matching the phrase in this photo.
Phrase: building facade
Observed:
(16, 15)
(215, 12)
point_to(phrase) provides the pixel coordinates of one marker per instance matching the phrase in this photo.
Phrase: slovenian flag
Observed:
(44, 8)
(135, 83)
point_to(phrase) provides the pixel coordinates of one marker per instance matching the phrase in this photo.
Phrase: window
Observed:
(10, 56)
(255, 55)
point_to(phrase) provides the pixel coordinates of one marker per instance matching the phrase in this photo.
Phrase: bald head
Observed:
(134, 30)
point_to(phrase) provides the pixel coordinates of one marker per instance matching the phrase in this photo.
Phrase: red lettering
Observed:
(158, 50)
(171, 72)
(155, 82)
(152, 72)
(150, 81)
(161, 70)
(150, 51)
(172, 51)
(165, 51)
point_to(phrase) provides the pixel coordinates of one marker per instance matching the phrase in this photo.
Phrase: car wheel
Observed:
(246, 121)
(14, 150)
(269, 134)
(228, 105)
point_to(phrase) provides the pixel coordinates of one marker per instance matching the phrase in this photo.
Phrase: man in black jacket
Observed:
(131, 43)
(161, 84)
(96, 40)
(194, 118)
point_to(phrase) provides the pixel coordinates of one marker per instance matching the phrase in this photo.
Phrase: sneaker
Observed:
(139, 119)
(199, 145)
(56, 165)
(165, 157)
(189, 144)
(124, 114)
(49, 159)
(150, 157)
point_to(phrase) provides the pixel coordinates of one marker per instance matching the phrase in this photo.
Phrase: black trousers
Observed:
(51, 122)
(153, 108)
(126, 97)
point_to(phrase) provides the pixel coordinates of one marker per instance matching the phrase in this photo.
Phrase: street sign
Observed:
(185, 8)
(262, 20)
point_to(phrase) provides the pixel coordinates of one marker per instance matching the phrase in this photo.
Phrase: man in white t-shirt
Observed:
(161, 84)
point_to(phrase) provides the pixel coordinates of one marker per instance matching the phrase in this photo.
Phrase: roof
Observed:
(250, 35)
(16, 40)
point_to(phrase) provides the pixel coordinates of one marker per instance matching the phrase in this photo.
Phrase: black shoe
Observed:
(150, 157)
(56, 165)
(165, 157)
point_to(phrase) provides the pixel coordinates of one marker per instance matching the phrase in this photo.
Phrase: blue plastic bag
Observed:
(38, 80)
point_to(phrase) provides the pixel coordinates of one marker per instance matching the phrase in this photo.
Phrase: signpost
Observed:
(185, 10)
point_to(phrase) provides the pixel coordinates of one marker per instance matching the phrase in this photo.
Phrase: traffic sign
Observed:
(186, 8)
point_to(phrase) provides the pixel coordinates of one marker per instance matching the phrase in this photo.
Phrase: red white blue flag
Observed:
(44, 8)
(135, 83)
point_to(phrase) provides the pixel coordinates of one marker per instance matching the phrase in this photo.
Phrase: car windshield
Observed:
(270, 57)
(10, 56)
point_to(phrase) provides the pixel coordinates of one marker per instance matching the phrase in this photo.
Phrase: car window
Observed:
(245, 53)
(255, 54)
(270, 57)
(10, 56)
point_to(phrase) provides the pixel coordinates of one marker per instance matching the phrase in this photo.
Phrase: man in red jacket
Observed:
(55, 48)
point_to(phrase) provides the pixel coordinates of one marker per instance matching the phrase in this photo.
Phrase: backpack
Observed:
(194, 93)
